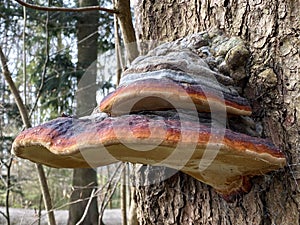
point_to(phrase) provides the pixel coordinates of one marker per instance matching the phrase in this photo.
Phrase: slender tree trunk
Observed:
(85, 180)
(123, 197)
(125, 19)
(25, 119)
(132, 218)
(271, 30)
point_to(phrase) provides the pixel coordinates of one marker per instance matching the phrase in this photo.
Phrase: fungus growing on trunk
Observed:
(173, 108)
(77, 143)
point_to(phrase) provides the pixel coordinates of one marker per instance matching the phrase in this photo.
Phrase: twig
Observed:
(87, 207)
(97, 193)
(46, 194)
(24, 56)
(128, 33)
(113, 190)
(26, 122)
(14, 90)
(3, 214)
(108, 195)
(118, 53)
(63, 9)
(117, 50)
(8, 181)
(39, 93)
(123, 196)
(60, 207)
(40, 210)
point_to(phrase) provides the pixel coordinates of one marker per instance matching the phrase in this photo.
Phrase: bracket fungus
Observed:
(173, 108)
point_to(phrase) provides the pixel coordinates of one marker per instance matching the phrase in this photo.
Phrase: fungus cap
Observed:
(159, 94)
(79, 143)
(166, 75)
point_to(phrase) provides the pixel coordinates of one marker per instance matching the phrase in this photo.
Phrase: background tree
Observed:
(271, 30)
(85, 180)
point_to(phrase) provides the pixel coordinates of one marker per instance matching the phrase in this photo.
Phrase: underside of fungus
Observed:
(173, 108)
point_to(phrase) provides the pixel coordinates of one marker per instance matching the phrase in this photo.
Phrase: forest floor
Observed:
(29, 217)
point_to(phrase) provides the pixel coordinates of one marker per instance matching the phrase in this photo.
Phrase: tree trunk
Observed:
(123, 197)
(271, 30)
(85, 180)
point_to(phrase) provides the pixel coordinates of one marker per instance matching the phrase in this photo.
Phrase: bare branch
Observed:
(14, 90)
(123, 196)
(87, 207)
(3, 214)
(25, 119)
(127, 29)
(46, 194)
(63, 9)
(110, 190)
(118, 50)
(8, 181)
(39, 93)
(24, 55)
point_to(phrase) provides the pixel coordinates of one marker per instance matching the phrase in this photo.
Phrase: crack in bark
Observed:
(244, 17)
(198, 10)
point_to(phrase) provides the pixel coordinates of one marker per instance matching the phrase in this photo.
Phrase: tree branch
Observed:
(63, 9)
(110, 190)
(118, 50)
(8, 181)
(87, 207)
(25, 119)
(123, 196)
(14, 90)
(3, 214)
(24, 54)
(46, 194)
(39, 93)
(127, 29)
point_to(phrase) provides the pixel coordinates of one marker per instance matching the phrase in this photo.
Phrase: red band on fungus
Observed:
(65, 141)
(154, 94)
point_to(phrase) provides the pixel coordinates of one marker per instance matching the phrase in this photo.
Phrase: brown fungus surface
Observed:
(176, 106)
(77, 143)
(172, 73)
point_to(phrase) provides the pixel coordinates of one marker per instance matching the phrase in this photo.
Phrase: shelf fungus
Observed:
(175, 76)
(173, 108)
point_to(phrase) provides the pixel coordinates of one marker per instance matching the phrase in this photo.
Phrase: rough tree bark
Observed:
(84, 180)
(271, 30)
